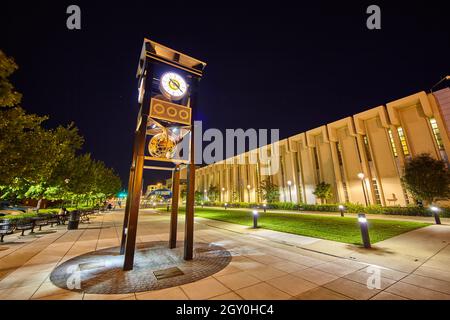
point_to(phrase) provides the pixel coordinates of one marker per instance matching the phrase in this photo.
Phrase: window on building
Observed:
(405, 193)
(391, 139)
(339, 153)
(316, 162)
(344, 186)
(436, 133)
(377, 191)
(402, 137)
(367, 149)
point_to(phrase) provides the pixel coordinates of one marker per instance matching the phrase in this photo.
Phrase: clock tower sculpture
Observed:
(168, 88)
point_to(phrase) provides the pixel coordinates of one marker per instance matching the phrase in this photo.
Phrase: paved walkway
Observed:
(265, 264)
(430, 219)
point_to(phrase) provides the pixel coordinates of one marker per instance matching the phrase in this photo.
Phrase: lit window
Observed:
(436, 133)
(366, 146)
(391, 138)
(377, 191)
(402, 137)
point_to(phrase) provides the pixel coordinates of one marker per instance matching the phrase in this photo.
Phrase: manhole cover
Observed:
(167, 273)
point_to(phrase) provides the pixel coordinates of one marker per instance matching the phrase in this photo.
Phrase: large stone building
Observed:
(362, 156)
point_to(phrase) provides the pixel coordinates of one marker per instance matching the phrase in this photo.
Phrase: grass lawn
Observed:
(342, 229)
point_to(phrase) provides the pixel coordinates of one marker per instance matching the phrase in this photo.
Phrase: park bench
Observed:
(84, 216)
(25, 224)
(6, 227)
(53, 219)
(40, 221)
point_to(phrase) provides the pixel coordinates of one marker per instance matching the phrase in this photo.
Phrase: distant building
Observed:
(153, 187)
(375, 142)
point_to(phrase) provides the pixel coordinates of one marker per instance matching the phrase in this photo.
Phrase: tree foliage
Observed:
(427, 178)
(213, 193)
(8, 96)
(323, 191)
(269, 191)
(42, 163)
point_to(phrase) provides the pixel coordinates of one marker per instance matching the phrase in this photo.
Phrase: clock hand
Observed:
(176, 84)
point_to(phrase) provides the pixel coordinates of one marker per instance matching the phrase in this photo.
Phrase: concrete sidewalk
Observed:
(265, 264)
(419, 258)
(445, 221)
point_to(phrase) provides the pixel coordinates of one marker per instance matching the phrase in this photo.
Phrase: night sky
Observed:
(278, 66)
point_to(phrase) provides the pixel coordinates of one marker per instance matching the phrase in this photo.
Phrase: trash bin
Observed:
(74, 220)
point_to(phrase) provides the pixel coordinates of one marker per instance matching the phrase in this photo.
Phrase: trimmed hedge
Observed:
(25, 216)
(349, 207)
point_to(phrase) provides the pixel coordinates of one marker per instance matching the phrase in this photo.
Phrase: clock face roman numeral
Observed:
(173, 85)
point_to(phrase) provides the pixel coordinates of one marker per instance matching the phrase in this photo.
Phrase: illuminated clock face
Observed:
(173, 86)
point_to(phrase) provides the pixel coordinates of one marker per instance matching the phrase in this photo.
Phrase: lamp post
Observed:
(341, 209)
(255, 219)
(265, 207)
(248, 191)
(289, 182)
(435, 211)
(361, 177)
(225, 205)
(364, 229)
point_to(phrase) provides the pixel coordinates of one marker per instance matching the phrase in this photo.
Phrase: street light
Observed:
(289, 182)
(364, 229)
(225, 205)
(265, 207)
(255, 219)
(248, 190)
(435, 211)
(361, 177)
(341, 209)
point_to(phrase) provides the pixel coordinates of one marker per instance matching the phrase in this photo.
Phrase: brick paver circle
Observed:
(101, 271)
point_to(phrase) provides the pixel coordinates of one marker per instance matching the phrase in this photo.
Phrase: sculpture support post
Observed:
(135, 197)
(136, 185)
(174, 209)
(130, 192)
(189, 222)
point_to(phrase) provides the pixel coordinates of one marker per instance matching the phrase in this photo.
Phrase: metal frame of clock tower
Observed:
(153, 115)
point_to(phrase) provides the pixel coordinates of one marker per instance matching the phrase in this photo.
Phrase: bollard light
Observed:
(255, 219)
(435, 211)
(364, 229)
(226, 205)
(265, 207)
(341, 209)
(201, 204)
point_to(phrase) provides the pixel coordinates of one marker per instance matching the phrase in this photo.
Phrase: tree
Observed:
(213, 193)
(43, 163)
(198, 196)
(323, 191)
(21, 137)
(183, 194)
(427, 178)
(8, 96)
(269, 191)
